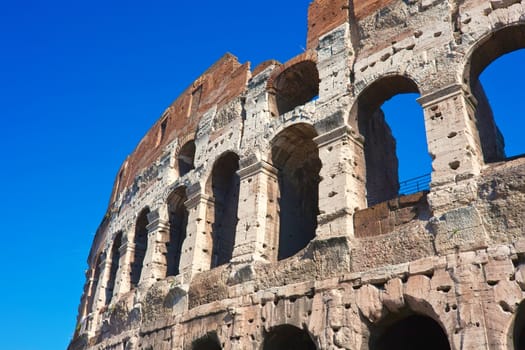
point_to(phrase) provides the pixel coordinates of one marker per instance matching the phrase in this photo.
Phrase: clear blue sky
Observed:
(80, 84)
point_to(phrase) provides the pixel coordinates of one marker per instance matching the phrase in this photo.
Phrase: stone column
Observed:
(257, 235)
(155, 264)
(126, 252)
(99, 301)
(103, 279)
(452, 134)
(198, 245)
(88, 301)
(342, 189)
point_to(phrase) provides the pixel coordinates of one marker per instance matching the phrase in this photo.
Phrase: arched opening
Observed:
(178, 219)
(518, 329)
(223, 214)
(186, 158)
(395, 146)
(208, 342)
(115, 258)
(287, 337)
(296, 156)
(295, 86)
(495, 78)
(141, 243)
(411, 332)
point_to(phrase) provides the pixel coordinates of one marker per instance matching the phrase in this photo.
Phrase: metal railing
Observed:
(416, 184)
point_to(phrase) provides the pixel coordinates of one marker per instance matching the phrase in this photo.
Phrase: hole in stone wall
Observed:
(178, 220)
(162, 131)
(408, 332)
(186, 158)
(295, 155)
(225, 191)
(141, 244)
(296, 86)
(287, 337)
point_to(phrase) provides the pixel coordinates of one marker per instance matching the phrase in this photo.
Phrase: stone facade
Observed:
(262, 211)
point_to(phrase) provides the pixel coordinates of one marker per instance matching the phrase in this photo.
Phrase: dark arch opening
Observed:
(287, 337)
(141, 244)
(395, 146)
(225, 191)
(115, 259)
(208, 342)
(518, 330)
(296, 156)
(186, 158)
(296, 86)
(412, 332)
(496, 80)
(178, 219)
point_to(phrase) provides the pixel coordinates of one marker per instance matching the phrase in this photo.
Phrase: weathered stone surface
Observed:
(262, 209)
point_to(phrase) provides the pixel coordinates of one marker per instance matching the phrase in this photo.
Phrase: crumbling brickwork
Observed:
(262, 210)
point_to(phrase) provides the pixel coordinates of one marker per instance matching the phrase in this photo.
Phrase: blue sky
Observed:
(80, 84)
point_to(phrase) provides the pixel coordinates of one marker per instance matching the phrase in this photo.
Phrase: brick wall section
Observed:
(323, 16)
(365, 8)
(385, 217)
(221, 83)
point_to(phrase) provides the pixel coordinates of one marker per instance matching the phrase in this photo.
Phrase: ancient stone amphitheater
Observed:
(262, 210)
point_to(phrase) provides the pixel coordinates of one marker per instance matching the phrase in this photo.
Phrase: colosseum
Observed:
(263, 209)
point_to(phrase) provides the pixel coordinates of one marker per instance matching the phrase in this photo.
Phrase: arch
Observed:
(379, 153)
(408, 331)
(296, 157)
(114, 264)
(488, 48)
(178, 220)
(288, 337)
(294, 83)
(518, 328)
(208, 342)
(186, 158)
(483, 53)
(223, 187)
(140, 241)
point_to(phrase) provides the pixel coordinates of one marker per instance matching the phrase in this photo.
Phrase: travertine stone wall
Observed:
(261, 210)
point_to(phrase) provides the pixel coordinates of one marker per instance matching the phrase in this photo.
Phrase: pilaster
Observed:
(123, 282)
(155, 263)
(257, 235)
(101, 295)
(198, 245)
(342, 188)
(452, 135)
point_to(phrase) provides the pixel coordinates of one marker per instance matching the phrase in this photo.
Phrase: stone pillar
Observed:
(103, 279)
(452, 135)
(257, 235)
(198, 245)
(342, 189)
(84, 320)
(155, 264)
(126, 252)
(99, 301)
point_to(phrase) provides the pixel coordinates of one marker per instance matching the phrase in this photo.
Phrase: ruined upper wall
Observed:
(220, 84)
(251, 125)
